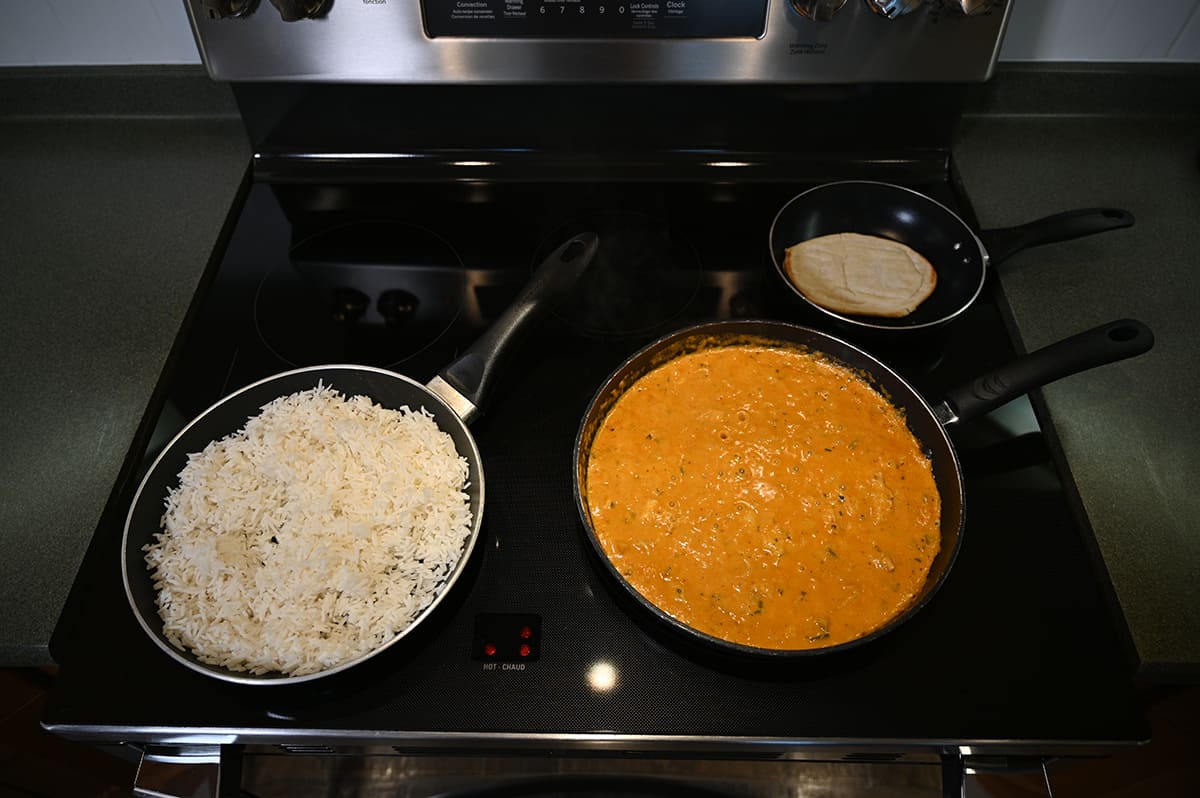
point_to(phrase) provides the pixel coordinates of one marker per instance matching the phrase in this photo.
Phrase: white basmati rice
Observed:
(311, 536)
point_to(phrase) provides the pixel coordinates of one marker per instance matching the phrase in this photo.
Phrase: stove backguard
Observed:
(580, 41)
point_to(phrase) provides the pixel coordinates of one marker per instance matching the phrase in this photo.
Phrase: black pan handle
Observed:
(473, 373)
(1003, 242)
(1107, 343)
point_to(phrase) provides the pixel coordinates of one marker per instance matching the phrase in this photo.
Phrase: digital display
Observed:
(709, 19)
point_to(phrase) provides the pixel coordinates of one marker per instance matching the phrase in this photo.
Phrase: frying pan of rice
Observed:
(311, 520)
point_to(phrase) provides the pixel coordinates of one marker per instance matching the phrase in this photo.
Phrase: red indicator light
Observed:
(489, 649)
(526, 632)
(525, 650)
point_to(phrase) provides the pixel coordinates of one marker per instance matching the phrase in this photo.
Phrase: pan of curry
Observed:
(773, 490)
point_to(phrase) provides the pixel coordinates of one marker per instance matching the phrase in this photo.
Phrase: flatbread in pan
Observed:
(861, 274)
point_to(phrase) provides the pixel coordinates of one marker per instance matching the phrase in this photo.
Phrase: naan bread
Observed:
(860, 274)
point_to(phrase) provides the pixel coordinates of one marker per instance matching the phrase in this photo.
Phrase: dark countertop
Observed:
(97, 283)
(1130, 138)
(114, 186)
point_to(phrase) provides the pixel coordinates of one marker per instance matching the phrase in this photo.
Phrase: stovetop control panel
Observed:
(595, 18)
(600, 41)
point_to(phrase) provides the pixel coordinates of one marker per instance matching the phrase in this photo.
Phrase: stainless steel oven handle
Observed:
(191, 771)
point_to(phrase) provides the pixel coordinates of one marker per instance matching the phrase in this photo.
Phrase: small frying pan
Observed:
(452, 398)
(959, 256)
(929, 423)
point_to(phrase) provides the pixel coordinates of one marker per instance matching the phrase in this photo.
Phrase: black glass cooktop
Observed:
(1017, 650)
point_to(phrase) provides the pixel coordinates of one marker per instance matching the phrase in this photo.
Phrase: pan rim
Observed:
(861, 321)
(713, 329)
(267, 680)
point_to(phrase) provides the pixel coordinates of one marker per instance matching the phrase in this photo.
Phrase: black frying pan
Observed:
(959, 256)
(928, 422)
(453, 398)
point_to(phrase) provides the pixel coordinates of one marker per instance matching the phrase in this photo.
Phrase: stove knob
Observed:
(893, 8)
(220, 9)
(970, 7)
(292, 10)
(819, 10)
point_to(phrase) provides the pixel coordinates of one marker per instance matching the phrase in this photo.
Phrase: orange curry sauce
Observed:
(765, 496)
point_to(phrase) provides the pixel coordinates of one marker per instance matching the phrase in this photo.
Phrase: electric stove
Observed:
(412, 164)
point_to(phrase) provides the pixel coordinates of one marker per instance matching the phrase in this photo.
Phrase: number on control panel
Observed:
(562, 9)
